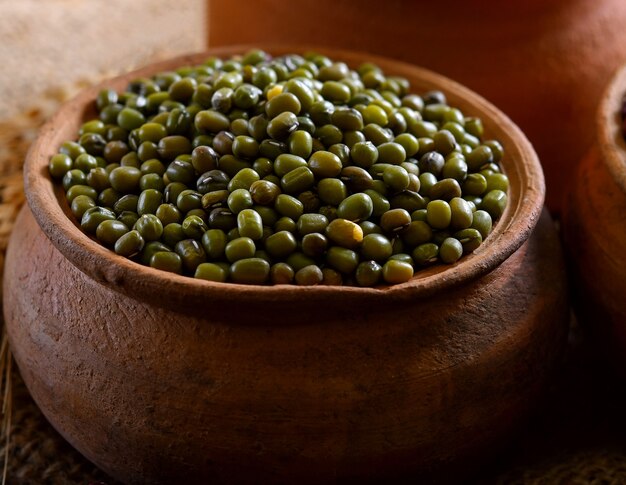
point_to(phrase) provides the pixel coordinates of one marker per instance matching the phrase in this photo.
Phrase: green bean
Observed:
(325, 164)
(364, 154)
(482, 221)
(109, 231)
(211, 272)
(251, 271)
(331, 191)
(281, 274)
(284, 102)
(250, 224)
(450, 250)
(285, 163)
(80, 204)
(92, 218)
(167, 261)
(308, 223)
(416, 233)
(150, 227)
(129, 244)
(395, 220)
(342, 259)
(239, 248)
(287, 170)
(194, 226)
(357, 207)
(395, 271)
(344, 233)
(376, 247)
(264, 192)
(76, 190)
(309, 276)
(494, 202)
(288, 206)
(149, 201)
(191, 253)
(470, 239)
(297, 180)
(108, 197)
(445, 189)
(438, 214)
(125, 179)
(300, 143)
(74, 177)
(280, 127)
(425, 253)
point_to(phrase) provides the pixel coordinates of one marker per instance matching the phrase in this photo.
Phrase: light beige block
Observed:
(51, 45)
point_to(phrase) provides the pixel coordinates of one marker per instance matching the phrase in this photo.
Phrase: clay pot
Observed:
(594, 229)
(159, 378)
(543, 63)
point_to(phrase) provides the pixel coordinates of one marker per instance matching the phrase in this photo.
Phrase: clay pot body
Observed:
(543, 63)
(286, 393)
(594, 229)
(158, 378)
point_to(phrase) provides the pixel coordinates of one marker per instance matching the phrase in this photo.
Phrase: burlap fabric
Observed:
(577, 438)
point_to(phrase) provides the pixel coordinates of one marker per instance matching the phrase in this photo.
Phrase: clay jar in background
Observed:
(160, 378)
(544, 63)
(594, 223)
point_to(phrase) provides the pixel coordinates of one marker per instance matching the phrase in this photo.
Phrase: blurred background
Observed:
(545, 64)
(50, 46)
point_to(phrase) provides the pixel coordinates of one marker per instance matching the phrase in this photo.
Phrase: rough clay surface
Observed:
(152, 395)
(594, 222)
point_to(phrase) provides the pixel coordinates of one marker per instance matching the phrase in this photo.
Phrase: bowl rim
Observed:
(526, 198)
(608, 120)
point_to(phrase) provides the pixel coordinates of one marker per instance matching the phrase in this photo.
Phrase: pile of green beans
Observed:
(294, 169)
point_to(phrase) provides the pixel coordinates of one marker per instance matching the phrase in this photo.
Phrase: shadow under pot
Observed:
(160, 378)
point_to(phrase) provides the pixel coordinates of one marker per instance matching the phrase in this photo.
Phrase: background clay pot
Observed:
(595, 230)
(543, 63)
(158, 378)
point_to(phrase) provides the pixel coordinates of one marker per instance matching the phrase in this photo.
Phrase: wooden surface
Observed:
(336, 391)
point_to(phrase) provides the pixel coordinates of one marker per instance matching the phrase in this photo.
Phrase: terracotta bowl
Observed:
(159, 378)
(595, 230)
